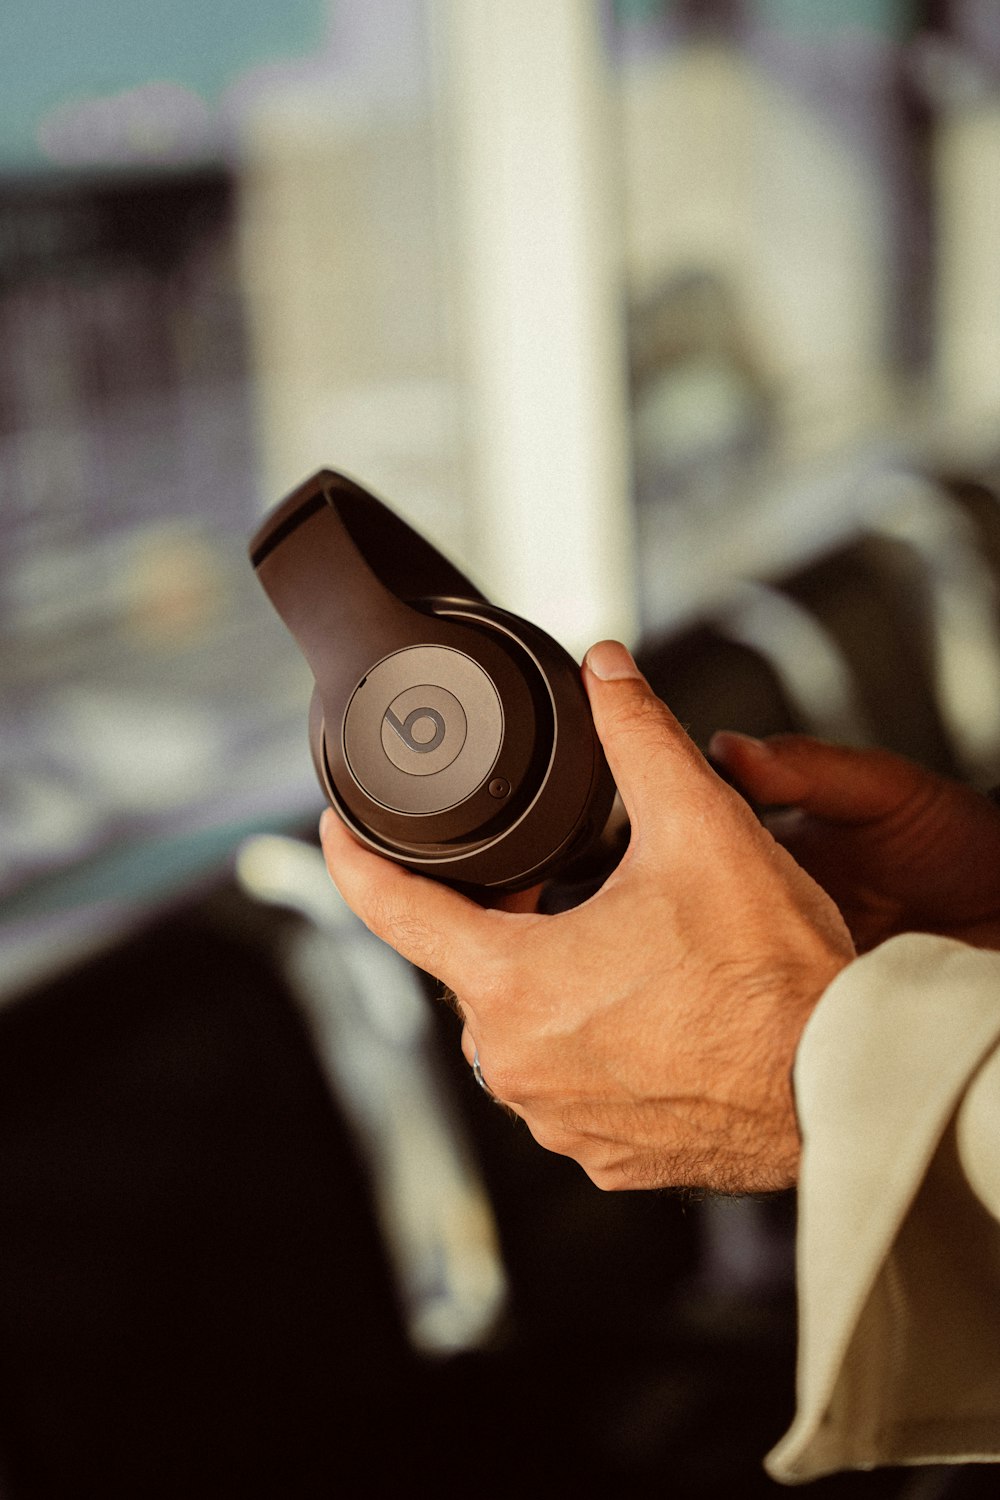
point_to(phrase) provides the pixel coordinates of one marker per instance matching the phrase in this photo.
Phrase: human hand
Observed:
(648, 1033)
(899, 848)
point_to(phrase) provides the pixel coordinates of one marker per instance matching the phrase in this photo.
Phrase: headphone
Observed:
(449, 735)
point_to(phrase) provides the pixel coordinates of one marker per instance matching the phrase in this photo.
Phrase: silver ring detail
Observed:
(477, 1074)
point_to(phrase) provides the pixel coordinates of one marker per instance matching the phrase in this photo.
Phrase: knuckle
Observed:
(553, 1138)
(394, 918)
(502, 1079)
(378, 912)
(606, 1176)
(494, 982)
(376, 909)
(643, 715)
(658, 745)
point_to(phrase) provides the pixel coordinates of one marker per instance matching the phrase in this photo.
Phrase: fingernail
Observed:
(726, 738)
(610, 661)
(324, 820)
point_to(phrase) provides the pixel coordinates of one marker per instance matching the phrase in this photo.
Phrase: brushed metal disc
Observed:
(423, 730)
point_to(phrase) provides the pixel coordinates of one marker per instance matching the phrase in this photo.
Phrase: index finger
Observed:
(839, 783)
(433, 926)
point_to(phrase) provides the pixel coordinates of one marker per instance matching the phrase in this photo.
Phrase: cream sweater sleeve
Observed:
(898, 1089)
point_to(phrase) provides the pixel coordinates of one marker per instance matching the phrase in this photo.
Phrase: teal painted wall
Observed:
(889, 17)
(53, 51)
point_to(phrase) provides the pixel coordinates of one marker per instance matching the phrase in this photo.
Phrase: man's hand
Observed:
(650, 1032)
(899, 848)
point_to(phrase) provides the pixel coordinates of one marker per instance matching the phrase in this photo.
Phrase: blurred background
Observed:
(675, 320)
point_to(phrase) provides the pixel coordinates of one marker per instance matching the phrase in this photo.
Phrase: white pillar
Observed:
(529, 158)
(967, 179)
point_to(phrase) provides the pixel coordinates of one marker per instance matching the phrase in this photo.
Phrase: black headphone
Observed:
(449, 735)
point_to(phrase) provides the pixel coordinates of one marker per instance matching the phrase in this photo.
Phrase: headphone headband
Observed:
(339, 566)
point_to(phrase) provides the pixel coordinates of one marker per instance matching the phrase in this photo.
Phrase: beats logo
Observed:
(425, 743)
(424, 729)
(448, 734)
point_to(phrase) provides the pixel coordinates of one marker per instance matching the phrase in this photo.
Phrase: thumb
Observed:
(831, 781)
(648, 751)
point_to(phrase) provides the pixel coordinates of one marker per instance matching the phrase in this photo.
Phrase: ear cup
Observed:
(448, 734)
(480, 766)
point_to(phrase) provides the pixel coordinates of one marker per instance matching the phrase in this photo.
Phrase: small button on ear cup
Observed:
(417, 746)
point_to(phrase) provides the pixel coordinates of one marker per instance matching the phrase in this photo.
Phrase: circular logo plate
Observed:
(424, 729)
(416, 745)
